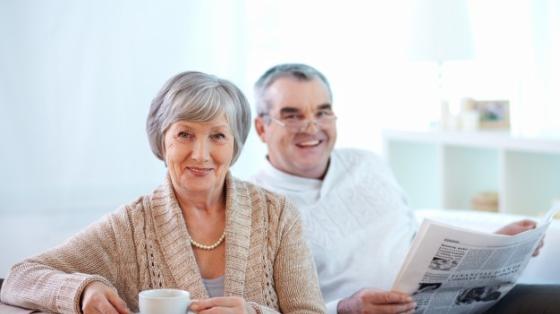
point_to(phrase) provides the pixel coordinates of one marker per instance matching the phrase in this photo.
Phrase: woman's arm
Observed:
(54, 280)
(295, 275)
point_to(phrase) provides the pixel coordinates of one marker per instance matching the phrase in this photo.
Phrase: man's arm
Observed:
(376, 301)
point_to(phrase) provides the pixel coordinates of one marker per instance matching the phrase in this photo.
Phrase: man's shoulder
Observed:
(357, 156)
(355, 153)
(357, 165)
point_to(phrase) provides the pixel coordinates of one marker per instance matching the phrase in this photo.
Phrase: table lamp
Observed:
(440, 32)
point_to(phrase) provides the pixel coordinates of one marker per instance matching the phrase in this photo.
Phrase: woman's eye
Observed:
(183, 135)
(219, 136)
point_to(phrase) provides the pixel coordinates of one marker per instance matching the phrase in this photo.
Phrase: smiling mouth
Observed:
(199, 171)
(309, 144)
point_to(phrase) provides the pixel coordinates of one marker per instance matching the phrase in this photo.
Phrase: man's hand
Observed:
(376, 301)
(98, 298)
(518, 227)
(234, 305)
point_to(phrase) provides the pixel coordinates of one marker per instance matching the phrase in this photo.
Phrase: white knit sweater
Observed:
(356, 221)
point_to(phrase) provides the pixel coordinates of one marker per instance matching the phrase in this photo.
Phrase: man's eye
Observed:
(323, 113)
(291, 117)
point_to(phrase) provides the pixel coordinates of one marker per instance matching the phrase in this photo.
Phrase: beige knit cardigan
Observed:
(145, 245)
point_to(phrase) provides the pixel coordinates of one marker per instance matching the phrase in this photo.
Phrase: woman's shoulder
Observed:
(141, 205)
(127, 216)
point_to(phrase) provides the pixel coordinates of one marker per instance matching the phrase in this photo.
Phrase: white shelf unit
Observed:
(445, 169)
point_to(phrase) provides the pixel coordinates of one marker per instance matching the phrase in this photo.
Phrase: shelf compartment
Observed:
(416, 167)
(467, 172)
(531, 181)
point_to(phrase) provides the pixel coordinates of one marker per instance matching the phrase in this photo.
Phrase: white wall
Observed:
(76, 81)
(77, 77)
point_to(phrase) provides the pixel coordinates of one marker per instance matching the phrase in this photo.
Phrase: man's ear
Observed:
(260, 128)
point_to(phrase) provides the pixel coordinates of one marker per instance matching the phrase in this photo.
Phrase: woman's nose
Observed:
(200, 150)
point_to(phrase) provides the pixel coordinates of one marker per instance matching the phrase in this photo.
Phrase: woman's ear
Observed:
(163, 148)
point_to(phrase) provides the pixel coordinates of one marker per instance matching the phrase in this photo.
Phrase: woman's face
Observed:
(198, 155)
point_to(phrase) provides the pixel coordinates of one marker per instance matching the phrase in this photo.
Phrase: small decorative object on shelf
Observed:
(469, 115)
(493, 114)
(486, 201)
(473, 115)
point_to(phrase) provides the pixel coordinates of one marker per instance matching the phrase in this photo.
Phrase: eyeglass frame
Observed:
(305, 122)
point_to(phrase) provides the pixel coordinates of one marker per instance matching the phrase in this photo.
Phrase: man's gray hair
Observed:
(297, 71)
(198, 97)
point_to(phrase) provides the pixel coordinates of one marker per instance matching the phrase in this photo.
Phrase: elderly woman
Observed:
(237, 248)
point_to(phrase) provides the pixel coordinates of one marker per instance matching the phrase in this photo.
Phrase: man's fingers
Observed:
(517, 227)
(539, 247)
(391, 308)
(391, 297)
(397, 308)
(403, 308)
(527, 223)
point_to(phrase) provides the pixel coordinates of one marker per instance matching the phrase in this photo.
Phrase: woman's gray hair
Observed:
(198, 97)
(298, 71)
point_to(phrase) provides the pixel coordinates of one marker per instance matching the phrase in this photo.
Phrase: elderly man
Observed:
(356, 219)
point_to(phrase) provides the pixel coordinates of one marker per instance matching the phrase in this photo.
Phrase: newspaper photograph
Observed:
(454, 270)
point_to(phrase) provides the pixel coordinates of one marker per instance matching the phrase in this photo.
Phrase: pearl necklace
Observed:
(211, 246)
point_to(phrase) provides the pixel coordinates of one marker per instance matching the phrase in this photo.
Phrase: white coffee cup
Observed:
(164, 301)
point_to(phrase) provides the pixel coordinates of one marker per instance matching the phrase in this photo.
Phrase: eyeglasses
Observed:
(297, 122)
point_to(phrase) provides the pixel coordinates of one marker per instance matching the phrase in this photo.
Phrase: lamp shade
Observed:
(440, 31)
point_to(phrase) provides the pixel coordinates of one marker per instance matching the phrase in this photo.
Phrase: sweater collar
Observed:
(290, 182)
(173, 236)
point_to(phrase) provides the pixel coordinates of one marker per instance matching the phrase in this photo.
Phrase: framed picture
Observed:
(493, 114)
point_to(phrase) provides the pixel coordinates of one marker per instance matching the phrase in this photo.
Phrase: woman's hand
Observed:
(376, 301)
(236, 305)
(98, 298)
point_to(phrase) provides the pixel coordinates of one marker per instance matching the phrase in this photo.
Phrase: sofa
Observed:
(543, 269)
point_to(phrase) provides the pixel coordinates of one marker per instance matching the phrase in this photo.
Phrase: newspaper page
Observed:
(453, 270)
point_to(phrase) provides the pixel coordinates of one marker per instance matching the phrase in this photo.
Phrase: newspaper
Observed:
(453, 270)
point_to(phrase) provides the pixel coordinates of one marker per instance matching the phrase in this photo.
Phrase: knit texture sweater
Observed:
(145, 245)
(356, 221)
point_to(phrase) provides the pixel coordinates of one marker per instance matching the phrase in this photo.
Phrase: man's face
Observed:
(302, 151)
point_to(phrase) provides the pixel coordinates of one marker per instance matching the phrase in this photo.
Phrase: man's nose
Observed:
(310, 125)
